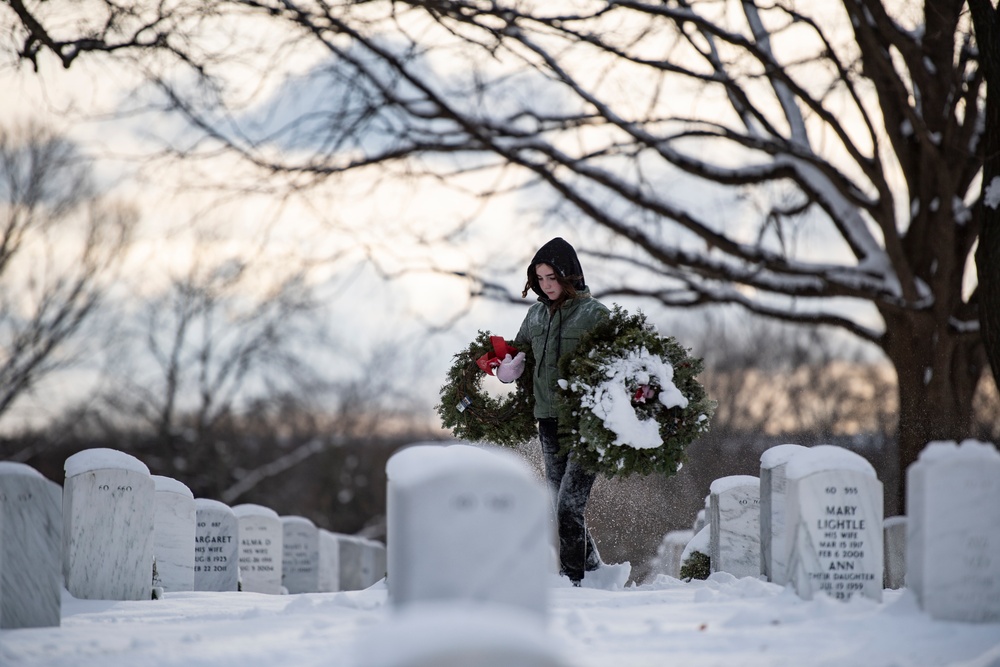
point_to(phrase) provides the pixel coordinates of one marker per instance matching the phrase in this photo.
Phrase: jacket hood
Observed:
(561, 256)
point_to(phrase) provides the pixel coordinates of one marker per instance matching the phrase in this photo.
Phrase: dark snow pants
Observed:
(570, 485)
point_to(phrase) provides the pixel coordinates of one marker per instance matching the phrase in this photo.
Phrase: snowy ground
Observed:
(721, 622)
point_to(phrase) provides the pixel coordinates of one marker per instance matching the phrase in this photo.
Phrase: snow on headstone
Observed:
(894, 552)
(108, 512)
(734, 516)
(261, 548)
(300, 562)
(773, 531)
(953, 531)
(466, 523)
(328, 562)
(30, 548)
(216, 547)
(173, 535)
(834, 519)
(668, 554)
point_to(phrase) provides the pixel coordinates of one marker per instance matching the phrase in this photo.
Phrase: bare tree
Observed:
(855, 128)
(218, 336)
(60, 244)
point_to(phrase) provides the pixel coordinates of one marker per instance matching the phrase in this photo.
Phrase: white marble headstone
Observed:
(668, 554)
(173, 535)
(834, 518)
(108, 511)
(374, 563)
(734, 516)
(773, 533)
(362, 562)
(699, 521)
(300, 563)
(328, 577)
(1, 555)
(216, 547)
(30, 548)
(466, 523)
(953, 531)
(894, 552)
(261, 548)
(352, 563)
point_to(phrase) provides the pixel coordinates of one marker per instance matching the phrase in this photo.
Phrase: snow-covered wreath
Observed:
(471, 413)
(631, 398)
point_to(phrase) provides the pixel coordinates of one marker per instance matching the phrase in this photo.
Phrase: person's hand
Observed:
(511, 368)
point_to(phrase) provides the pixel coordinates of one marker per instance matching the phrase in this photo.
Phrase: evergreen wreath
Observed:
(696, 566)
(474, 415)
(624, 412)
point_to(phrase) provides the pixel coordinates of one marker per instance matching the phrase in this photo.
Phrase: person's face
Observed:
(547, 281)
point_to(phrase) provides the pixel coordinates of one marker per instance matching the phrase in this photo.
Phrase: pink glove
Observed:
(511, 369)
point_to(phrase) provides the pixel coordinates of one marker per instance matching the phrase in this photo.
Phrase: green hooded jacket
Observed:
(551, 335)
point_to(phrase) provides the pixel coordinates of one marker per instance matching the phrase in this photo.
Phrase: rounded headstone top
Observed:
(779, 455)
(297, 519)
(821, 458)
(423, 460)
(171, 485)
(214, 505)
(101, 458)
(890, 521)
(14, 468)
(724, 484)
(678, 537)
(700, 542)
(249, 509)
(969, 450)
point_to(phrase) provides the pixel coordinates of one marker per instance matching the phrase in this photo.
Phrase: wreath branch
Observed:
(598, 447)
(474, 415)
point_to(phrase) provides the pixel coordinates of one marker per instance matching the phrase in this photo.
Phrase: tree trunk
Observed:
(937, 373)
(987, 24)
(988, 267)
(988, 263)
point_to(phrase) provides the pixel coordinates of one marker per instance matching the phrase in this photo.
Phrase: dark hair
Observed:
(567, 283)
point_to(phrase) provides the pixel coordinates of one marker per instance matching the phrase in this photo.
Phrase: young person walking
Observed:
(553, 327)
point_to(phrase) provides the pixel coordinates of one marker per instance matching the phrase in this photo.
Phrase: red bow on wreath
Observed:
(642, 393)
(491, 360)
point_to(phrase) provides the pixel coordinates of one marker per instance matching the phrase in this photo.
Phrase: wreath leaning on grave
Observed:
(631, 398)
(473, 414)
